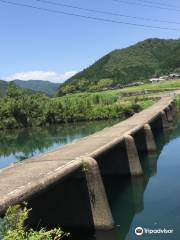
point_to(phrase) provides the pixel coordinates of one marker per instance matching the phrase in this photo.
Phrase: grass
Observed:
(113, 102)
(19, 110)
(178, 101)
(166, 85)
(98, 106)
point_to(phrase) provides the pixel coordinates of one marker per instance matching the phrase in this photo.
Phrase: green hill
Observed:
(135, 63)
(39, 86)
(3, 88)
(31, 86)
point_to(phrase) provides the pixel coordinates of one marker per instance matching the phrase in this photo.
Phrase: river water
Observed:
(20, 144)
(151, 201)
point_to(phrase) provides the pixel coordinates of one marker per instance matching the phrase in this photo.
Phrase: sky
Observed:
(50, 46)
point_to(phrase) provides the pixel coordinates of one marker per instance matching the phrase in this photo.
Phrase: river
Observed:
(151, 201)
(20, 144)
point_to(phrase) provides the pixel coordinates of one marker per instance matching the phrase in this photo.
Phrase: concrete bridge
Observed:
(65, 187)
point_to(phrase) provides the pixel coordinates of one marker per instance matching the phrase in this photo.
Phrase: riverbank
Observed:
(20, 110)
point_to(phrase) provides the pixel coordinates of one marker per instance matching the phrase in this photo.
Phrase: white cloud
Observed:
(41, 75)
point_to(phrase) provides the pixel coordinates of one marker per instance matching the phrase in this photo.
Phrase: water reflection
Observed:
(110, 235)
(126, 194)
(133, 201)
(20, 144)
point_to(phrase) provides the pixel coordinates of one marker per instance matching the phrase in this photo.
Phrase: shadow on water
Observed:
(126, 194)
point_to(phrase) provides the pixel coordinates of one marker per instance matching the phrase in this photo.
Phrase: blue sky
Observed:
(36, 44)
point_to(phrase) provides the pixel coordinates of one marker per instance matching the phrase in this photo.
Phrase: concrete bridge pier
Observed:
(138, 186)
(173, 108)
(133, 157)
(150, 142)
(169, 114)
(151, 166)
(165, 124)
(101, 212)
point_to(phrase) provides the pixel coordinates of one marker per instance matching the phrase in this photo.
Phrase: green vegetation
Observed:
(166, 85)
(39, 86)
(157, 88)
(3, 88)
(19, 109)
(139, 62)
(178, 101)
(31, 86)
(92, 107)
(13, 227)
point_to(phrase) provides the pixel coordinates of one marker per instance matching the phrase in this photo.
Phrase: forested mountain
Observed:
(32, 86)
(135, 63)
(39, 86)
(3, 88)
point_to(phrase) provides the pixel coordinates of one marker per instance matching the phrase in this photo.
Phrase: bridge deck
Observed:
(23, 178)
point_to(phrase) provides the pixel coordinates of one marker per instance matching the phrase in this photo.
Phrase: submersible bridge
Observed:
(65, 187)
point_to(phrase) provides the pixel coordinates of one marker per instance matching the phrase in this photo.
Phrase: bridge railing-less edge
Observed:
(100, 210)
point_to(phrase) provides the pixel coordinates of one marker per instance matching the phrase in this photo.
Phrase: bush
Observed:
(13, 227)
(19, 110)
